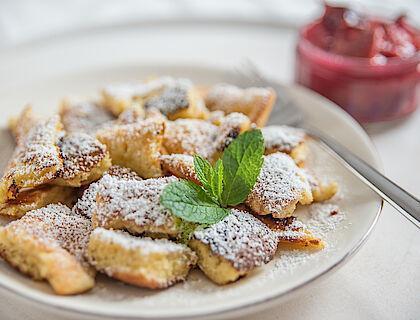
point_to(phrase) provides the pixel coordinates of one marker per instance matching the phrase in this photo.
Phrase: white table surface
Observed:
(383, 280)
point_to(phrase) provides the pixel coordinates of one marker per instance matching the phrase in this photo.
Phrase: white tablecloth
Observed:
(383, 280)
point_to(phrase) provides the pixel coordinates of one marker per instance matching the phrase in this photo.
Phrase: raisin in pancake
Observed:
(231, 126)
(39, 197)
(85, 159)
(233, 247)
(292, 233)
(84, 116)
(190, 136)
(286, 139)
(48, 244)
(134, 206)
(143, 262)
(136, 146)
(35, 161)
(279, 187)
(256, 103)
(179, 165)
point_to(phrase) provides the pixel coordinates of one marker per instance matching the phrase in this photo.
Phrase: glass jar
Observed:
(370, 92)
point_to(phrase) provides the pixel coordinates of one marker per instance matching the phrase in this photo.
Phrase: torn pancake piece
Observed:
(49, 244)
(321, 190)
(287, 140)
(86, 204)
(143, 262)
(292, 233)
(85, 159)
(190, 136)
(20, 125)
(233, 247)
(179, 165)
(84, 116)
(134, 206)
(256, 103)
(37, 198)
(136, 146)
(178, 99)
(35, 161)
(279, 187)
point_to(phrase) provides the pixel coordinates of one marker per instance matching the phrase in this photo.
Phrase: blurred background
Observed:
(28, 20)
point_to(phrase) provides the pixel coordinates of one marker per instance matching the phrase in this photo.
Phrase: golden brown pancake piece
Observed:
(48, 244)
(279, 187)
(256, 103)
(143, 262)
(233, 247)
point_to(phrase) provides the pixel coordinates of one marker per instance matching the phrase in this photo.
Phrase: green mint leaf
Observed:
(210, 178)
(204, 172)
(217, 181)
(242, 162)
(190, 202)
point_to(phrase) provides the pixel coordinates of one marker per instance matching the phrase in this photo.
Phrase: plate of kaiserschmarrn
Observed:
(172, 192)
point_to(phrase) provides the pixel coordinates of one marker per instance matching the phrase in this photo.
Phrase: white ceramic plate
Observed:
(44, 74)
(198, 297)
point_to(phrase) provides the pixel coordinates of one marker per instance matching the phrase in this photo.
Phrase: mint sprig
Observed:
(226, 184)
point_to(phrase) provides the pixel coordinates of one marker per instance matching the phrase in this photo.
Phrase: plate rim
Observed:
(257, 304)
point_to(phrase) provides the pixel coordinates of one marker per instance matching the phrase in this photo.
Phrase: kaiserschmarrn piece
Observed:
(143, 262)
(178, 99)
(119, 97)
(175, 98)
(287, 140)
(35, 161)
(136, 146)
(233, 247)
(84, 116)
(279, 187)
(135, 206)
(39, 197)
(179, 165)
(20, 125)
(292, 233)
(85, 159)
(256, 103)
(190, 136)
(49, 244)
(321, 190)
(86, 204)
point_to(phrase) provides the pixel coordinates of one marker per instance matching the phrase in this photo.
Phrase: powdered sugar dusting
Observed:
(144, 245)
(37, 155)
(174, 97)
(279, 184)
(81, 153)
(84, 116)
(226, 94)
(182, 163)
(241, 239)
(192, 136)
(282, 138)
(55, 224)
(87, 202)
(132, 200)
